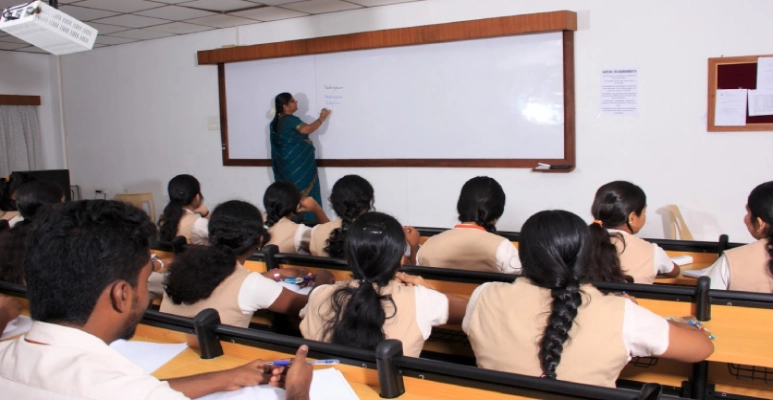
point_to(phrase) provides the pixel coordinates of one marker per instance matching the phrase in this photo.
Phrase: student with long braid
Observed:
(749, 268)
(473, 244)
(378, 302)
(282, 200)
(551, 323)
(619, 211)
(351, 196)
(185, 215)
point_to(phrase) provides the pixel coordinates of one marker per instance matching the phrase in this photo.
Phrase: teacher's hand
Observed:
(323, 114)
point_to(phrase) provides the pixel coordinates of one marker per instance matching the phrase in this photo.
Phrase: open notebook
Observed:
(326, 384)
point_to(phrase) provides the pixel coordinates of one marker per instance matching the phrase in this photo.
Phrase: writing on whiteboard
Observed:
(333, 95)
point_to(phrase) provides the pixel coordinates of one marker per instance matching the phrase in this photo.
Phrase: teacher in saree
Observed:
(292, 152)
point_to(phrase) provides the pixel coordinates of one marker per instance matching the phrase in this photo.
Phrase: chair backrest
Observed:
(143, 201)
(674, 222)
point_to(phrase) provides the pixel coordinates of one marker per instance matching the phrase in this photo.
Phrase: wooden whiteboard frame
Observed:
(714, 64)
(564, 21)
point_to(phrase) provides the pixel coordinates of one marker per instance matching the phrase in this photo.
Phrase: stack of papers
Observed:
(149, 356)
(326, 384)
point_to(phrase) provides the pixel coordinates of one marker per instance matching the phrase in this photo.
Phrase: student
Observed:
(749, 268)
(185, 215)
(215, 277)
(619, 212)
(378, 302)
(282, 200)
(473, 244)
(86, 288)
(8, 187)
(561, 327)
(30, 199)
(351, 196)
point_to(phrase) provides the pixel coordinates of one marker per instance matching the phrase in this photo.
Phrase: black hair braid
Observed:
(170, 219)
(335, 244)
(563, 311)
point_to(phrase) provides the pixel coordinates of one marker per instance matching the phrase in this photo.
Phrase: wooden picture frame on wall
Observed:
(734, 73)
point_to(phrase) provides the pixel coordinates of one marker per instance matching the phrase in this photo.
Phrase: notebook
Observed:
(326, 384)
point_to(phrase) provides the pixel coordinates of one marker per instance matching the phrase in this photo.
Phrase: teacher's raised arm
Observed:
(292, 153)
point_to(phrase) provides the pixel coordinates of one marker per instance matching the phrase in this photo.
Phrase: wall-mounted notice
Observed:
(730, 108)
(760, 102)
(620, 91)
(765, 73)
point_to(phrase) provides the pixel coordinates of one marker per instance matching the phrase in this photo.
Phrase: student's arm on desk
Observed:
(674, 272)
(687, 344)
(296, 380)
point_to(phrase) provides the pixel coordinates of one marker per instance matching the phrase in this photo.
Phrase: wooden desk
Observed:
(363, 381)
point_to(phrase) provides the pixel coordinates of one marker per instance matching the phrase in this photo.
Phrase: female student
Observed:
(378, 302)
(214, 276)
(282, 200)
(351, 196)
(30, 199)
(8, 187)
(619, 212)
(292, 153)
(185, 215)
(749, 268)
(472, 244)
(563, 328)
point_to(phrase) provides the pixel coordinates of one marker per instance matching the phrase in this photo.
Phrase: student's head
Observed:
(374, 250)
(91, 259)
(8, 187)
(31, 196)
(280, 200)
(482, 201)
(235, 231)
(351, 196)
(553, 249)
(184, 190)
(759, 211)
(620, 205)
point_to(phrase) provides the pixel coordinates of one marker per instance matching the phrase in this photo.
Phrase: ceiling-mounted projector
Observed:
(47, 28)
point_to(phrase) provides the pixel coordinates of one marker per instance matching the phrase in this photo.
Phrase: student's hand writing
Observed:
(293, 272)
(412, 280)
(254, 373)
(298, 378)
(10, 309)
(308, 204)
(324, 277)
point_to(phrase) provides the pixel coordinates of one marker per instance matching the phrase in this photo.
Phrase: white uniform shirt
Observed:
(719, 272)
(200, 229)
(72, 364)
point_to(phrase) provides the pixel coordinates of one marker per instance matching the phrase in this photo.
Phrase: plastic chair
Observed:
(674, 223)
(142, 201)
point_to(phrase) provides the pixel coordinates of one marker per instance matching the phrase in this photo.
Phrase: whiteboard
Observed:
(497, 98)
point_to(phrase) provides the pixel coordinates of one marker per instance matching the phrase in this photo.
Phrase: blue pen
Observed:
(297, 280)
(284, 363)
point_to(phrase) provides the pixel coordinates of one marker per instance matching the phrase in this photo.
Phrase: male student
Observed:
(86, 280)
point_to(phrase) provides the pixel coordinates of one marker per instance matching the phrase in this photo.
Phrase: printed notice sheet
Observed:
(760, 102)
(620, 91)
(730, 107)
(765, 73)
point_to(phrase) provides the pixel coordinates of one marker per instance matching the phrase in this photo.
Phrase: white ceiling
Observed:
(127, 21)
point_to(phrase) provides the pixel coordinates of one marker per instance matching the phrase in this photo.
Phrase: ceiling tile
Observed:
(113, 40)
(85, 14)
(179, 28)
(132, 21)
(221, 21)
(142, 34)
(274, 2)
(321, 6)
(221, 5)
(175, 13)
(268, 13)
(121, 6)
(32, 49)
(12, 46)
(376, 3)
(104, 29)
(172, 1)
(12, 39)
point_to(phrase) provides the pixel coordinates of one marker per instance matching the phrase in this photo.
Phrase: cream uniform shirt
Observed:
(73, 364)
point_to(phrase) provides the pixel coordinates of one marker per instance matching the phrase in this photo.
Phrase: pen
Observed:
(297, 280)
(284, 363)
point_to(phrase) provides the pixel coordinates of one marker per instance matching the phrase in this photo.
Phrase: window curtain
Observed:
(20, 142)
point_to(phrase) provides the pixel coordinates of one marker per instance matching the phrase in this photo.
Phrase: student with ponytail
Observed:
(619, 212)
(214, 276)
(185, 215)
(473, 244)
(292, 152)
(282, 200)
(552, 324)
(749, 268)
(378, 302)
(351, 196)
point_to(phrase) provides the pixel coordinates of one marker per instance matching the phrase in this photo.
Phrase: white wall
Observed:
(37, 75)
(136, 114)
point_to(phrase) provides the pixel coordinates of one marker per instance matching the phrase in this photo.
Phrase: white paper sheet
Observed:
(765, 73)
(760, 102)
(697, 273)
(620, 91)
(730, 107)
(149, 356)
(326, 384)
(296, 288)
(18, 326)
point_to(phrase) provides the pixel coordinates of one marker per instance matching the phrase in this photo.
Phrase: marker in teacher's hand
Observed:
(284, 363)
